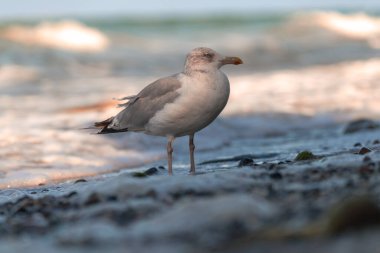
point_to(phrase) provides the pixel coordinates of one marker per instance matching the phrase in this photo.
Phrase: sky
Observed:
(45, 8)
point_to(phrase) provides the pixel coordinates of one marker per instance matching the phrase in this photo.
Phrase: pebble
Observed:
(364, 150)
(367, 159)
(151, 171)
(276, 175)
(148, 172)
(80, 181)
(365, 170)
(360, 125)
(94, 198)
(71, 194)
(245, 162)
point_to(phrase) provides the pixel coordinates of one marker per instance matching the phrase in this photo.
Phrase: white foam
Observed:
(346, 89)
(68, 35)
(357, 26)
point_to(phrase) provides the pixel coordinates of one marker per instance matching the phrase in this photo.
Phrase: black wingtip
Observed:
(106, 130)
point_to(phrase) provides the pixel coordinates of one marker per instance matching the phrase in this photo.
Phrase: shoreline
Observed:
(235, 203)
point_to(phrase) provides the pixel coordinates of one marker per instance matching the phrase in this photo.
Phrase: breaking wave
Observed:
(355, 26)
(67, 35)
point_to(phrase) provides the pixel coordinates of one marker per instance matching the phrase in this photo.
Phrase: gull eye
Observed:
(208, 55)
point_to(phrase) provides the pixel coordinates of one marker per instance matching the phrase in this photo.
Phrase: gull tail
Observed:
(104, 127)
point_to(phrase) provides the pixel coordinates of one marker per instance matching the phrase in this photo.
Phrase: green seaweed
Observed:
(139, 174)
(305, 155)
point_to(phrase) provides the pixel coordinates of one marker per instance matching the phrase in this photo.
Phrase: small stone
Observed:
(276, 175)
(111, 198)
(364, 170)
(360, 125)
(80, 181)
(71, 194)
(94, 198)
(376, 142)
(315, 171)
(367, 159)
(245, 162)
(151, 171)
(364, 150)
(305, 155)
(358, 144)
(148, 172)
(161, 167)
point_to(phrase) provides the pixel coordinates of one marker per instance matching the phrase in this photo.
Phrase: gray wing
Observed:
(142, 107)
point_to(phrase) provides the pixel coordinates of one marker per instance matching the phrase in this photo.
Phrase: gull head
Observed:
(205, 59)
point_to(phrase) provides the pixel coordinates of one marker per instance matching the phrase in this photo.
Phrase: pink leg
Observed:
(192, 148)
(170, 154)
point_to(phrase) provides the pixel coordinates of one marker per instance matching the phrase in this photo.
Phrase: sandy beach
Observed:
(252, 202)
(291, 165)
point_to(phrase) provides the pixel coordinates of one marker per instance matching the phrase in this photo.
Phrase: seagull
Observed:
(177, 105)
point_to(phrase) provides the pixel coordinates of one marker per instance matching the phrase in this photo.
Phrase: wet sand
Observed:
(258, 201)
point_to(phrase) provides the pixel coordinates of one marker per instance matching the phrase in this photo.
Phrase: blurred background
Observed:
(307, 64)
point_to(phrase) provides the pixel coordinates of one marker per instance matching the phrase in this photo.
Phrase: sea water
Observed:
(301, 70)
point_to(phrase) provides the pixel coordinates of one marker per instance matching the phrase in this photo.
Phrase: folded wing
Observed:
(142, 107)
